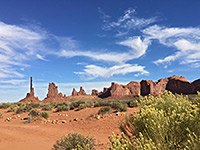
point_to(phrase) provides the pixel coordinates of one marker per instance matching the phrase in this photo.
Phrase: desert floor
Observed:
(41, 135)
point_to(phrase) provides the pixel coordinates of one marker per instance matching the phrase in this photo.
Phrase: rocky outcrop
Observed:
(175, 84)
(95, 92)
(81, 92)
(30, 96)
(74, 92)
(53, 94)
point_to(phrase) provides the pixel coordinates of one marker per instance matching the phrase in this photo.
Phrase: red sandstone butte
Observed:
(53, 94)
(81, 92)
(175, 84)
(30, 96)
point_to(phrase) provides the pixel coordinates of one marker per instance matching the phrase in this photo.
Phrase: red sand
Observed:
(41, 136)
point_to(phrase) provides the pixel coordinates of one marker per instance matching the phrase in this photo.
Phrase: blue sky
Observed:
(92, 43)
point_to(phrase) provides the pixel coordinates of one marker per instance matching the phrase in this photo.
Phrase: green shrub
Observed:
(45, 115)
(12, 108)
(164, 122)
(105, 110)
(5, 105)
(82, 106)
(47, 107)
(121, 107)
(34, 105)
(34, 113)
(74, 141)
(62, 108)
(64, 104)
(1, 116)
(132, 103)
(23, 109)
(71, 106)
(119, 143)
(89, 104)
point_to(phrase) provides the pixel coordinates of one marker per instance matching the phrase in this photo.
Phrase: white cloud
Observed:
(103, 16)
(13, 81)
(185, 40)
(138, 46)
(128, 21)
(93, 71)
(40, 57)
(185, 45)
(17, 44)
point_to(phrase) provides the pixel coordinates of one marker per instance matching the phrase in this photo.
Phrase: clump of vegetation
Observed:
(119, 143)
(5, 105)
(82, 106)
(34, 113)
(132, 103)
(121, 107)
(105, 110)
(12, 108)
(45, 115)
(23, 109)
(1, 116)
(74, 141)
(62, 108)
(165, 122)
(47, 107)
(34, 105)
(57, 104)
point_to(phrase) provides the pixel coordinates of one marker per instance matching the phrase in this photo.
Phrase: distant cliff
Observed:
(175, 84)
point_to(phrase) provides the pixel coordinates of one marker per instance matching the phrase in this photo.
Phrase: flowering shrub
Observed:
(166, 122)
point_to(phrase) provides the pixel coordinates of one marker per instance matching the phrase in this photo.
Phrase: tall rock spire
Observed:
(30, 96)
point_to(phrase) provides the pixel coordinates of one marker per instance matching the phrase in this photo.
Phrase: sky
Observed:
(92, 43)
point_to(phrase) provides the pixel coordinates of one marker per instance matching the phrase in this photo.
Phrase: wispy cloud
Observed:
(93, 71)
(13, 81)
(185, 40)
(103, 15)
(128, 21)
(137, 47)
(17, 44)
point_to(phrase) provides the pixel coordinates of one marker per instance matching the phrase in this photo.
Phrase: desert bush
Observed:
(64, 104)
(132, 103)
(12, 108)
(74, 141)
(119, 143)
(105, 110)
(1, 116)
(47, 107)
(89, 104)
(164, 122)
(71, 106)
(34, 105)
(96, 104)
(23, 109)
(5, 105)
(121, 107)
(82, 106)
(62, 108)
(45, 115)
(34, 113)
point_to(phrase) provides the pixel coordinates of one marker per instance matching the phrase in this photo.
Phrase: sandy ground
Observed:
(15, 135)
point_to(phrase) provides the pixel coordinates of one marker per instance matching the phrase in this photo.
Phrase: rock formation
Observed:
(74, 92)
(95, 92)
(175, 84)
(30, 96)
(81, 92)
(53, 94)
